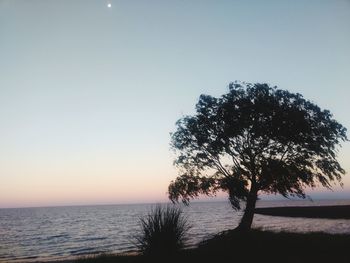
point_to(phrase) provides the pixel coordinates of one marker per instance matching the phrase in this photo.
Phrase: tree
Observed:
(255, 139)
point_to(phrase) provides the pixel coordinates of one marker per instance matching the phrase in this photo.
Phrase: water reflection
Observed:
(63, 232)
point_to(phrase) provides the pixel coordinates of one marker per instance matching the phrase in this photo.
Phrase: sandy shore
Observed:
(75, 259)
(330, 212)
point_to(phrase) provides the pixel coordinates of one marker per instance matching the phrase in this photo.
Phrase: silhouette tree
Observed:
(255, 139)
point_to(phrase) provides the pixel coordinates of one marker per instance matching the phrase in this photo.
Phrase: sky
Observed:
(89, 93)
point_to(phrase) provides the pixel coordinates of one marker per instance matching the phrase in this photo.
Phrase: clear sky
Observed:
(89, 94)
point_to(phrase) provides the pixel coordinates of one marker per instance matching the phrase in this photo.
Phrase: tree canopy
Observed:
(256, 138)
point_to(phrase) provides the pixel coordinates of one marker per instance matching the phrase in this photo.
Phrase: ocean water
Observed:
(33, 234)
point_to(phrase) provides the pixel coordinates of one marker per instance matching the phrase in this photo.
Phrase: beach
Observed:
(328, 212)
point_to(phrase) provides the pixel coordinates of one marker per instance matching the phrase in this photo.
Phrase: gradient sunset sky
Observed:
(89, 94)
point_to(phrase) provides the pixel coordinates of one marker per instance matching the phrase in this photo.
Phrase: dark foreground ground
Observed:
(256, 246)
(332, 212)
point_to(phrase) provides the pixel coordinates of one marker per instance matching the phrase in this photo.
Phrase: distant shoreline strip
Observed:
(327, 212)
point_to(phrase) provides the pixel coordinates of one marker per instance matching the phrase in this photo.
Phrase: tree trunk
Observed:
(247, 219)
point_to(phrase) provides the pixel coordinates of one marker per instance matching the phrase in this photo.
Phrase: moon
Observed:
(109, 5)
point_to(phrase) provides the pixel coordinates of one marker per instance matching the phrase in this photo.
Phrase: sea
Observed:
(59, 233)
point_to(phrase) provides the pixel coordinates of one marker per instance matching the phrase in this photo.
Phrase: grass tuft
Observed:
(163, 231)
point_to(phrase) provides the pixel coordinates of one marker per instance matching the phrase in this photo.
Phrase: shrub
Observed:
(163, 231)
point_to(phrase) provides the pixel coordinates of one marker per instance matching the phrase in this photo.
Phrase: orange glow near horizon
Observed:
(44, 185)
(96, 177)
(93, 180)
